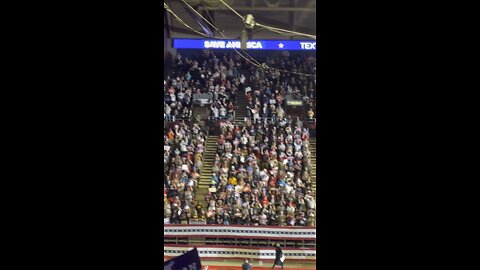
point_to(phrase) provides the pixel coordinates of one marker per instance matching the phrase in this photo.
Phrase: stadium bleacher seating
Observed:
(261, 171)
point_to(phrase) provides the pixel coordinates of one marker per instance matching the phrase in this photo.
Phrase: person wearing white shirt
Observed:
(242, 79)
(215, 112)
(223, 111)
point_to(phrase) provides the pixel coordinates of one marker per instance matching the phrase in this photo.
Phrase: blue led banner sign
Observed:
(296, 45)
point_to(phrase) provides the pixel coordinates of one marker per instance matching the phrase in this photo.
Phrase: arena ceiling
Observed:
(293, 15)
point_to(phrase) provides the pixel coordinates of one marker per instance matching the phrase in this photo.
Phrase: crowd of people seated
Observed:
(261, 174)
(177, 99)
(222, 78)
(183, 156)
(205, 74)
(268, 89)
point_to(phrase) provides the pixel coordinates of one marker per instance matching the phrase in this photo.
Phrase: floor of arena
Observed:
(237, 266)
(257, 265)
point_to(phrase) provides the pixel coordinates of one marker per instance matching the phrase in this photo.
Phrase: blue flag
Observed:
(187, 261)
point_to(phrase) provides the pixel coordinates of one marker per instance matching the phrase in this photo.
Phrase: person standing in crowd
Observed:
(279, 258)
(247, 265)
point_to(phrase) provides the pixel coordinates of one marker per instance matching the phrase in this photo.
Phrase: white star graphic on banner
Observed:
(280, 45)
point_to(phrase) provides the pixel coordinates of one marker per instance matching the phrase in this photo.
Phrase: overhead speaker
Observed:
(249, 21)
